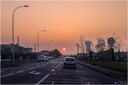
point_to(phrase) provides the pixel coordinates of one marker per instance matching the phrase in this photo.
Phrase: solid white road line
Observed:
(42, 79)
(59, 64)
(8, 74)
(20, 71)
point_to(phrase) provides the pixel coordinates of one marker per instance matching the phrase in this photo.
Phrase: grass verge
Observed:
(115, 65)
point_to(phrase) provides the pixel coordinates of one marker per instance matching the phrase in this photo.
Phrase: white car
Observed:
(42, 58)
(45, 58)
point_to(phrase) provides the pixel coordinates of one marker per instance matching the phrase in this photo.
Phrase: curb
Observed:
(103, 71)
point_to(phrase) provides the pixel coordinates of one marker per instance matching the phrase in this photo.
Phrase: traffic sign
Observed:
(111, 40)
(111, 45)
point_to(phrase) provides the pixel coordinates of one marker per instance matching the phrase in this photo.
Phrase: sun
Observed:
(64, 49)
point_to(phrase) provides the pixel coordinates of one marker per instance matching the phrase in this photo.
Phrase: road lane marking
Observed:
(59, 68)
(54, 73)
(53, 70)
(83, 77)
(56, 67)
(77, 71)
(52, 83)
(20, 71)
(42, 79)
(88, 83)
(32, 72)
(8, 74)
(59, 64)
(37, 73)
(39, 66)
(32, 68)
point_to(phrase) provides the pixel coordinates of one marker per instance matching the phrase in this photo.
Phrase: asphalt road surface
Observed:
(52, 72)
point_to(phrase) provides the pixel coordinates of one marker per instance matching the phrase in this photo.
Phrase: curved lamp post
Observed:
(13, 28)
(38, 41)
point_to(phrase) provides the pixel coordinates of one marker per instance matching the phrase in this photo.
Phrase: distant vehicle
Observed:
(49, 57)
(46, 58)
(69, 62)
(42, 58)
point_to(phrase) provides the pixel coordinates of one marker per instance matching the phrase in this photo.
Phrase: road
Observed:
(52, 72)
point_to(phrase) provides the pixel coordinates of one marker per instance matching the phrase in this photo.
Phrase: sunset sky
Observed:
(64, 22)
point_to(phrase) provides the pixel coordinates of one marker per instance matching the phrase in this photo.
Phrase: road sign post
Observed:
(111, 42)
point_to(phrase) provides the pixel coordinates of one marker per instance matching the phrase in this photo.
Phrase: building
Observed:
(45, 52)
(6, 50)
(88, 45)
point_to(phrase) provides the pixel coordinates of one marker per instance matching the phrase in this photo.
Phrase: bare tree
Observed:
(118, 43)
(100, 46)
(82, 43)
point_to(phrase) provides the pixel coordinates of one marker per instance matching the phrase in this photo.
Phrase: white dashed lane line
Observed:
(54, 73)
(37, 73)
(83, 77)
(39, 66)
(32, 72)
(20, 71)
(32, 68)
(8, 74)
(53, 70)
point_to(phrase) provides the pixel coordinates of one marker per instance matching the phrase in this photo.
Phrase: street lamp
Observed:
(48, 43)
(13, 29)
(38, 41)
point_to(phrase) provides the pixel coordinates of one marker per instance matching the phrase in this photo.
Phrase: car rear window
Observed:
(69, 59)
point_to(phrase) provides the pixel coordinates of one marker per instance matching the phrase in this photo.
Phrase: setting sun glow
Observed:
(64, 49)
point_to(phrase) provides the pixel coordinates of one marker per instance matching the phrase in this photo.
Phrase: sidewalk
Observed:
(105, 70)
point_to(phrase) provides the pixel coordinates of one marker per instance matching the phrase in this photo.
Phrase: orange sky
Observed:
(64, 21)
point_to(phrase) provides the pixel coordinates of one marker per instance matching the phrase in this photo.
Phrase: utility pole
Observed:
(34, 47)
